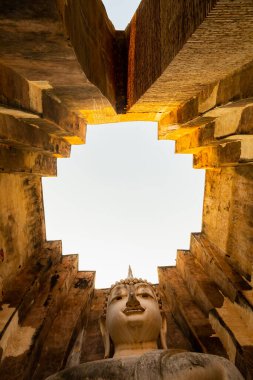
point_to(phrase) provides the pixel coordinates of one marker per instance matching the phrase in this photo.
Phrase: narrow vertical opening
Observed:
(121, 12)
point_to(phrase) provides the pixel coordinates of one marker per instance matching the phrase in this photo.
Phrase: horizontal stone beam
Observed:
(231, 119)
(49, 113)
(235, 118)
(14, 160)
(38, 98)
(18, 133)
(196, 139)
(232, 151)
(176, 130)
(72, 126)
(14, 88)
(237, 85)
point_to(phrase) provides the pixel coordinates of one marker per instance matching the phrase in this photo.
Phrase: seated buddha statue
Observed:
(133, 328)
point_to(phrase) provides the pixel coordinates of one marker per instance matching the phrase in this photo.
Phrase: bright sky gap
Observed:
(120, 12)
(124, 197)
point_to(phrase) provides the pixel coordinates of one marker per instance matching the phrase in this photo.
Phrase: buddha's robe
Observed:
(155, 365)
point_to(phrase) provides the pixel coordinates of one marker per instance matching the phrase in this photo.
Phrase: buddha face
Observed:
(133, 314)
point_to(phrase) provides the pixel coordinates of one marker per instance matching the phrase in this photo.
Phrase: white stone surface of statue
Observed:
(132, 325)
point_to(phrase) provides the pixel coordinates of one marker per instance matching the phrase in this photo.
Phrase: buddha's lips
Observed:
(133, 310)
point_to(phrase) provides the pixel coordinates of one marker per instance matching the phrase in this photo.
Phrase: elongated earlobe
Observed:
(163, 332)
(105, 336)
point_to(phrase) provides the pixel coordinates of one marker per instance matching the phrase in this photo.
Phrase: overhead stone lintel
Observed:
(36, 89)
(176, 130)
(21, 134)
(196, 139)
(14, 160)
(37, 99)
(74, 126)
(232, 151)
(233, 118)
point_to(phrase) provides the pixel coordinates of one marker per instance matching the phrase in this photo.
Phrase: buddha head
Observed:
(133, 321)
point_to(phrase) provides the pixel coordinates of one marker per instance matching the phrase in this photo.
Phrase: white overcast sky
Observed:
(124, 197)
(121, 11)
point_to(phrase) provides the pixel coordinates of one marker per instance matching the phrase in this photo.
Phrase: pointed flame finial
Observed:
(130, 273)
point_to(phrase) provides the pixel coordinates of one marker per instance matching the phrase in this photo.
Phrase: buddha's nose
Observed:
(132, 300)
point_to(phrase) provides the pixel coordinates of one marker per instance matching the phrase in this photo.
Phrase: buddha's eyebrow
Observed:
(118, 290)
(144, 287)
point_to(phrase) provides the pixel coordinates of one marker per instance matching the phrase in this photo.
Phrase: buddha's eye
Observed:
(117, 298)
(145, 295)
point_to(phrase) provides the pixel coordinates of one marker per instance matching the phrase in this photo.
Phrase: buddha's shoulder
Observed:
(155, 365)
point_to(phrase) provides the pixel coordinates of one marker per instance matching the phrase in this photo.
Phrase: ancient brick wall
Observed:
(197, 84)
